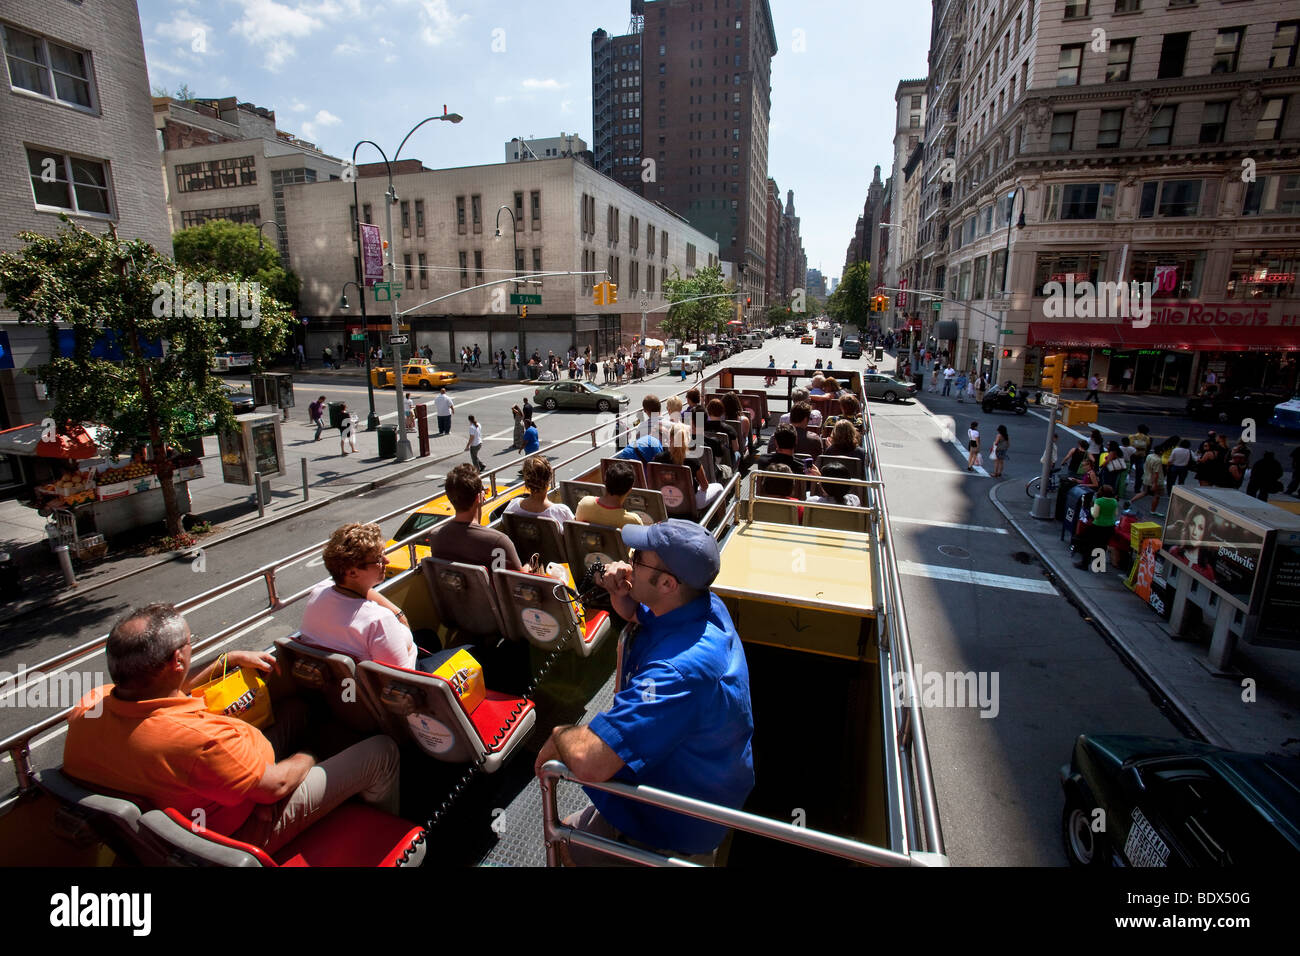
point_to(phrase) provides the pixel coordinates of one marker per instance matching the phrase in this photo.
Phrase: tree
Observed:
(850, 303)
(690, 321)
(231, 248)
(108, 292)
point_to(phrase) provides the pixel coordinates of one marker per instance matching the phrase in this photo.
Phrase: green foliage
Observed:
(102, 287)
(219, 245)
(691, 321)
(850, 303)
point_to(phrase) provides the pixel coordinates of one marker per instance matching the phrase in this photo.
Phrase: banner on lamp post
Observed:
(372, 254)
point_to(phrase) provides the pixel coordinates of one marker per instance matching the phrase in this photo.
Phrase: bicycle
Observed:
(1033, 484)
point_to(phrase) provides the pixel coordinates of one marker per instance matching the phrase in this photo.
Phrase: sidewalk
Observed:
(1214, 706)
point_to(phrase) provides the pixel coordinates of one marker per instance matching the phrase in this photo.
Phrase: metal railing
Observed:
(555, 832)
(18, 744)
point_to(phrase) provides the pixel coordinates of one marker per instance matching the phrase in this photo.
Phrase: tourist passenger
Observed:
(464, 538)
(714, 425)
(807, 443)
(538, 475)
(678, 439)
(833, 493)
(797, 396)
(733, 411)
(691, 734)
(846, 442)
(784, 442)
(145, 734)
(607, 509)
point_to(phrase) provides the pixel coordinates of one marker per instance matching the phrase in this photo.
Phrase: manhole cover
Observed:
(952, 551)
(1024, 557)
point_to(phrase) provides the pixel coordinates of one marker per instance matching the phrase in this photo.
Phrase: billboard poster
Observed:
(1214, 546)
(1281, 607)
(265, 452)
(234, 468)
(372, 254)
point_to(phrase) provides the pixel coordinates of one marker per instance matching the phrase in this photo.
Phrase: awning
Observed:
(946, 331)
(26, 440)
(1124, 335)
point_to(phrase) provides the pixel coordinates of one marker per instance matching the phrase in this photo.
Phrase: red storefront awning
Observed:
(1125, 335)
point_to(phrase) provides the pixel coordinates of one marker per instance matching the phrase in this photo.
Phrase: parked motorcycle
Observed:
(1005, 398)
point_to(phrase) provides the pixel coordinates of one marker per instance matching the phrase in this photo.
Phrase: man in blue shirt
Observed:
(681, 719)
(531, 442)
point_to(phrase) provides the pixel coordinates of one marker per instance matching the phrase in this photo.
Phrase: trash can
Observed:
(533, 371)
(1063, 492)
(918, 379)
(11, 586)
(336, 414)
(387, 441)
(1077, 502)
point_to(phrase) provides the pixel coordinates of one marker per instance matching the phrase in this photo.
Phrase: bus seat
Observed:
(774, 511)
(705, 456)
(534, 614)
(323, 673)
(533, 534)
(754, 406)
(840, 517)
(354, 834)
(678, 490)
(426, 708)
(113, 818)
(647, 503)
(464, 597)
(851, 464)
(572, 491)
(760, 396)
(587, 543)
(636, 467)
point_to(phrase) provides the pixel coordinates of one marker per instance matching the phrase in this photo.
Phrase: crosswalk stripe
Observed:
(983, 578)
(946, 524)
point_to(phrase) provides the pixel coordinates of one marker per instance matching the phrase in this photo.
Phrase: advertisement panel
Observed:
(1281, 606)
(372, 254)
(234, 466)
(1214, 546)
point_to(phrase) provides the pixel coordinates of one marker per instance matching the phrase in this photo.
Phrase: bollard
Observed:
(65, 565)
(261, 498)
(304, 479)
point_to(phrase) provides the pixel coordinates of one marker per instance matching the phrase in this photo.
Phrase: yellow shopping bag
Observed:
(239, 693)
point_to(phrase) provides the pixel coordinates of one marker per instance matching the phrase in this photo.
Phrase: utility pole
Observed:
(403, 443)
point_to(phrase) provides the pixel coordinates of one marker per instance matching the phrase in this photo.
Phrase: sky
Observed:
(340, 71)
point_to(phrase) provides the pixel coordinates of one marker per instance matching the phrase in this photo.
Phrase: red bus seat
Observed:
(677, 489)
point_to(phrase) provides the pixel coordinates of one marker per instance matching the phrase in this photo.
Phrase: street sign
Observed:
(517, 298)
(398, 339)
(936, 305)
(387, 291)
(1007, 332)
(358, 337)
(1049, 399)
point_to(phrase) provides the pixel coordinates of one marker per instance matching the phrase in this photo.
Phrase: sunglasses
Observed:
(637, 562)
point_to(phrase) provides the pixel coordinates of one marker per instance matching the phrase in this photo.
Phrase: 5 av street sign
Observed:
(517, 298)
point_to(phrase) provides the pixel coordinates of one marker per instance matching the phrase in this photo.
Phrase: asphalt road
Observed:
(977, 604)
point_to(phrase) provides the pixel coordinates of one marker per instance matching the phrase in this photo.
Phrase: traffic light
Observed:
(611, 291)
(748, 301)
(523, 314)
(1053, 368)
(1006, 353)
(598, 297)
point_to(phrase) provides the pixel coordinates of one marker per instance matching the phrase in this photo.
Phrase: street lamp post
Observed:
(372, 420)
(1006, 272)
(390, 198)
(514, 235)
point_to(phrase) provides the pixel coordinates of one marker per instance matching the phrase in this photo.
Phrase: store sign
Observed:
(1272, 278)
(1166, 279)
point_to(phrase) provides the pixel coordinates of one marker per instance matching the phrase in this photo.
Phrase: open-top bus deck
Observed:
(839, 749)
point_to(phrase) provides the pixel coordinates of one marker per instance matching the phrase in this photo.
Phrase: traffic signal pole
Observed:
(1044, 506)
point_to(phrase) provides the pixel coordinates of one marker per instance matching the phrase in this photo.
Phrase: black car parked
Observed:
(1234, 407)
(1146, 801)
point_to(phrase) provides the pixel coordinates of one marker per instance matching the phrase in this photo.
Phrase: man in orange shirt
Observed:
(154, 740)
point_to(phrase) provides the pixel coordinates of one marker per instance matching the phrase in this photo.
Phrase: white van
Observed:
(824, 338)
(754, 340)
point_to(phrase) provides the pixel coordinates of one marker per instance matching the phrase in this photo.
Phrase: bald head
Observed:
(142, 643)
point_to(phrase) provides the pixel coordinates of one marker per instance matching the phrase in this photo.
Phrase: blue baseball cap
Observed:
(684, 547)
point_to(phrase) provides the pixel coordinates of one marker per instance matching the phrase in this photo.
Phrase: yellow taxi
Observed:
(806, 340)
(424, 375)
(428, 515)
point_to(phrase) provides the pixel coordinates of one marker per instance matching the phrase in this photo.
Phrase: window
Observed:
(634, 276)
(410, 278)
(419, 217)
(1263, 273)
(981, 270)
(963, 282)
(1063, 266)
(1069, 64)
(366, 214)
(537, 264)
(1214, 120)
(1227, 46)
(1175, 198)
(916, 102)
(1284, 45)
(1173, 275)
(1117, 64)
(996, 279)
(1128, 6)
(690, 255)
(236, 214)
(1062, 132)
(1162, 126)
(406, 219)
(914, 121)
(1075, 9)
(478, 266)
(1110, 129)
(42, 66)
(460, 215)
(464, 270)
(216, 174)
(1270, 121)
(69, 183)
(1173, 53)
(1070, 201)
(424, 271)
(650, 240)
(476, 210)
(1273, 196)
(535, 208)
(663, 243)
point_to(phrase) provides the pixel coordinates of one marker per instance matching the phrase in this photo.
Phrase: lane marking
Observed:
(983, 578)
(978, 473)
(949, 433)
(948, 524)
(1059, 426)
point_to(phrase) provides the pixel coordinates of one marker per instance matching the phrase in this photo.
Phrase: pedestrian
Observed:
(443, 406)
(949, 374)
(1001, 445)
(302, 356)
(517, 414)
(1151, 484)
(347, 430)
(477, 353)
(475, 442)
(1094, 383)
(326, 357)
(1180, 459)
(528, 408)
(981, 386)
(532, 443)
(973, 444)
(962, 382)
(934, 377)
(1265, 477)
(1128, 378)
(1114, 467)
(316, 411)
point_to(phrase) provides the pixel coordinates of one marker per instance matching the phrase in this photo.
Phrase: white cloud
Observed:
(312, 127)
(347, 49)
(384, 41)
(156, 63)
(550, 83)
(276, 55)
(182, 28)
(272, 25)
(439, 22)
(298, 106)
(566, 106)
(502, 99)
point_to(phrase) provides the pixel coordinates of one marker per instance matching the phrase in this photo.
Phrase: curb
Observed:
(1115, 634)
